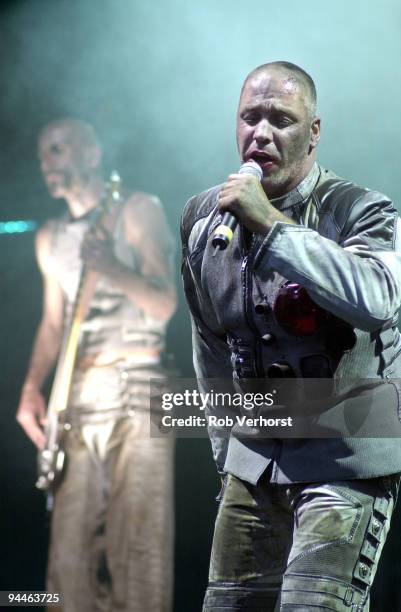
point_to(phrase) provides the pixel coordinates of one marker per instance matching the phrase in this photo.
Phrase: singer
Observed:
(302, 522)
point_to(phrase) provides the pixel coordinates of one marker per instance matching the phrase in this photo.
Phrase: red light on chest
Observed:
(296, 312)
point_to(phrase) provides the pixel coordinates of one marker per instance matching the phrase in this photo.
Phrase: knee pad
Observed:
(232, 598)
(304, 593)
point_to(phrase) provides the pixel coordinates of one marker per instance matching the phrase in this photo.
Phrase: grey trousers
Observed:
(111, 545)
(299, 547)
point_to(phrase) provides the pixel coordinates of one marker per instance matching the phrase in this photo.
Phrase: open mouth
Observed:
(264, 160)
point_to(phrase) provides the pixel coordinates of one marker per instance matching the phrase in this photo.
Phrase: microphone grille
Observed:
(251, 167)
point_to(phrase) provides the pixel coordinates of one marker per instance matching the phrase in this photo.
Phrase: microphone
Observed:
(223, 234)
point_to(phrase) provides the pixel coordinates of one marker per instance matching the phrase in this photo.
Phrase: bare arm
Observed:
(31, 409)
(152, 288)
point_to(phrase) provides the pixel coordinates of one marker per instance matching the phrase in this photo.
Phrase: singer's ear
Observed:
(314, 133)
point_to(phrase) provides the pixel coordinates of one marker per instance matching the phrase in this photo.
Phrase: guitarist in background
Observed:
(111, 534)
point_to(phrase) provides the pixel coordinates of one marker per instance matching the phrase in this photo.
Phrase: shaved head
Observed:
(80, 131)
(294, 75)
(277, 126)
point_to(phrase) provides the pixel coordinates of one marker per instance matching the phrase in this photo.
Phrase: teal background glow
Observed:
(160, 82)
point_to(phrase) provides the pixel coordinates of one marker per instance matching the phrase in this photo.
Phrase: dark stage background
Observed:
(160, 82)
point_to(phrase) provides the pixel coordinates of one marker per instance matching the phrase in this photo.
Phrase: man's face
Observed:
(274, 128)
(63, 161)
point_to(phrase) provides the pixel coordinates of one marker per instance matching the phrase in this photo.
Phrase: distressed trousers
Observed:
(299, 547)
(111, 546)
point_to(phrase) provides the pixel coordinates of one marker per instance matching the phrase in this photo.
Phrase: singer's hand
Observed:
(243, 196)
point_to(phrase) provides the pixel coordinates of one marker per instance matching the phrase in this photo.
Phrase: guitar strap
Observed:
(91, 276)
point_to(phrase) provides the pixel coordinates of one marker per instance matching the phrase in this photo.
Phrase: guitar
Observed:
(52, 459)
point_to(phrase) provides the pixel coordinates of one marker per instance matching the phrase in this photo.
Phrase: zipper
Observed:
(246, 279)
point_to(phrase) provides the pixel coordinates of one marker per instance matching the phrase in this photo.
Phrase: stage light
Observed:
(19, 226)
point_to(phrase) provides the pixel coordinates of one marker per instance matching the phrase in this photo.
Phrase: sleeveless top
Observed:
(113, 324)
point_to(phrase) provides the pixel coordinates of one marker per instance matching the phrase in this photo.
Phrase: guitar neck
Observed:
(60, 392)
(66, 362)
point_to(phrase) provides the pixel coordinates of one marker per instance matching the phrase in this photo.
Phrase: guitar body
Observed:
(51, 465)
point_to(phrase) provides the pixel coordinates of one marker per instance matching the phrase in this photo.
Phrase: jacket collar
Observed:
(301, 192)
